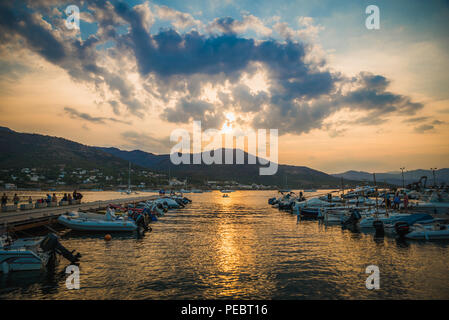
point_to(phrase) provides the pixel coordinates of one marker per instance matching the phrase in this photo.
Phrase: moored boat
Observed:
(95, 222)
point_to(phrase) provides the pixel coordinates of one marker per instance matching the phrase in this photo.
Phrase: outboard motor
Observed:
(180, 202)
(379, 227)
(51, 243)
(187, 200)
(402, 228)
(353, 219)
(140, 221)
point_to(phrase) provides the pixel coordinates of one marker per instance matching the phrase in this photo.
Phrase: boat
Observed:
(310, 190)
(368, 222)
(84, 221)
(226, 191)
(129, 191)
(310, 213)
(29, 254)
(225, 195)
(434, 231)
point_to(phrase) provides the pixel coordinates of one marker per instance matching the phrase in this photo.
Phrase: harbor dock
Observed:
(27, 219)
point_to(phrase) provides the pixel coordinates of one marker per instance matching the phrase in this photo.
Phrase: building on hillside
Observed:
(174, 182)
(10, 186)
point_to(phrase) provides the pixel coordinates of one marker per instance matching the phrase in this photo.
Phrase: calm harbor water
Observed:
(239, 248)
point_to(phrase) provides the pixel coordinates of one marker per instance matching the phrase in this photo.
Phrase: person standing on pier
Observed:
(54, 199)
(16, 199)
(30, 200)
(396, 201)
(405, 201)
(4, 199)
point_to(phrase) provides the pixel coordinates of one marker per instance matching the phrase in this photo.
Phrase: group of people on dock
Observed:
(15, 199)
(396, 201)
(48, 199)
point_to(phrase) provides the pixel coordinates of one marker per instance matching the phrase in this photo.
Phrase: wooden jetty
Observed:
(27, 219)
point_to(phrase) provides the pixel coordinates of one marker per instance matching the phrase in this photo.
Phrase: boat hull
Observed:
(80, 224)
(20, 260)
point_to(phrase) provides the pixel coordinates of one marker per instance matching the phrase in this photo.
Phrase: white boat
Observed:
(83, 221)
(434, 231)
(22, 254)
(31, 253)
(368, 221)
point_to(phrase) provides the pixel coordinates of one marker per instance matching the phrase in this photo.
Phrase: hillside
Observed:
(286, 176)
(441, 175)
(21, 150)
(24, 150)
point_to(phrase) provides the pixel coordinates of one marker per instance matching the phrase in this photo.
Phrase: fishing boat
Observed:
(85, 221)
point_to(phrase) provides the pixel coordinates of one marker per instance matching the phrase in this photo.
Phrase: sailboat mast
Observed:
(129, 175)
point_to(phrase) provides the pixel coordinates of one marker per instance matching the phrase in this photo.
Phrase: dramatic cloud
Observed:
(201, 74)
(229, 25)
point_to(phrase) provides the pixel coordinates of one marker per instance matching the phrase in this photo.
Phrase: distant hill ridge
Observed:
(393, 177)
(20, 150)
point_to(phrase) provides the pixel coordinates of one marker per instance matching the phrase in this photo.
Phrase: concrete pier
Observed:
(27, 219)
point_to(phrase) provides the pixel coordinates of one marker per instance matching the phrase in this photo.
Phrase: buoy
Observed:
(107, 237)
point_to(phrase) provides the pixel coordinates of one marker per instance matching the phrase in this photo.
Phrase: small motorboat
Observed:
(85, 221)
(32, 253)
(368, 222)
(435, 231)
(310, 213)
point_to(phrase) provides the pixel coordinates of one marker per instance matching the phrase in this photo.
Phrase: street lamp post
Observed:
(403, 182)
(434, 181)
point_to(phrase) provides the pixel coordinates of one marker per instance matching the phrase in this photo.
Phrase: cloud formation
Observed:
(75, 114)
(200, 74)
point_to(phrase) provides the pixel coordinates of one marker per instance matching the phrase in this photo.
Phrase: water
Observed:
(240, 248)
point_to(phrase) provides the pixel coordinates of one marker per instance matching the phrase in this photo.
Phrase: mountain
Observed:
(25, 150)
(286, 176)
(141, 158)
(393, 177)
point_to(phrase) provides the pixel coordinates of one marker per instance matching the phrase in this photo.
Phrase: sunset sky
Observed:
(342, 97)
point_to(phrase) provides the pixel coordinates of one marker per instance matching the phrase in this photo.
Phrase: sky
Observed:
(342, 96)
